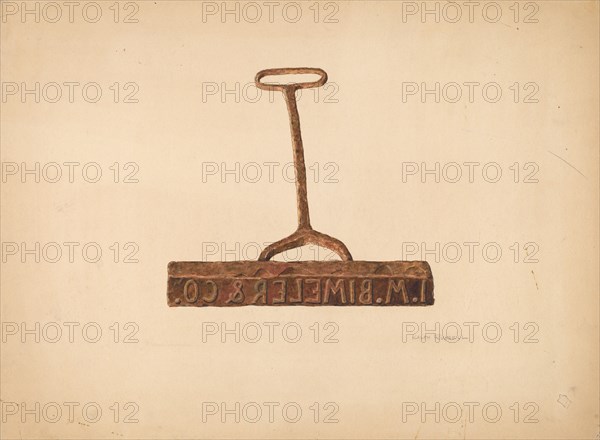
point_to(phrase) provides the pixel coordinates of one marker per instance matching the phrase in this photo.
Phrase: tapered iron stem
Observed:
(299, 165)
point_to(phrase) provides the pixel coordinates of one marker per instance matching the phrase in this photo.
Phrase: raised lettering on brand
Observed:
(297, 290)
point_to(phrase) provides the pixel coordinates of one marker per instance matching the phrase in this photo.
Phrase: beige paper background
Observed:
(368, 133)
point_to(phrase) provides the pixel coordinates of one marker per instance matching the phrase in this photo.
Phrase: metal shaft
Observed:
(299, 166)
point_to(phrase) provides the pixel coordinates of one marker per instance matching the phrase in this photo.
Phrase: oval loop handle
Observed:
(290, 71)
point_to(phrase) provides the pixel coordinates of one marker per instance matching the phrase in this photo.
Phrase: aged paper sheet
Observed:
(464, 134)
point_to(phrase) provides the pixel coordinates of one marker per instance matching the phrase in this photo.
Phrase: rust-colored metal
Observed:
(305, 234)
(306, 283)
